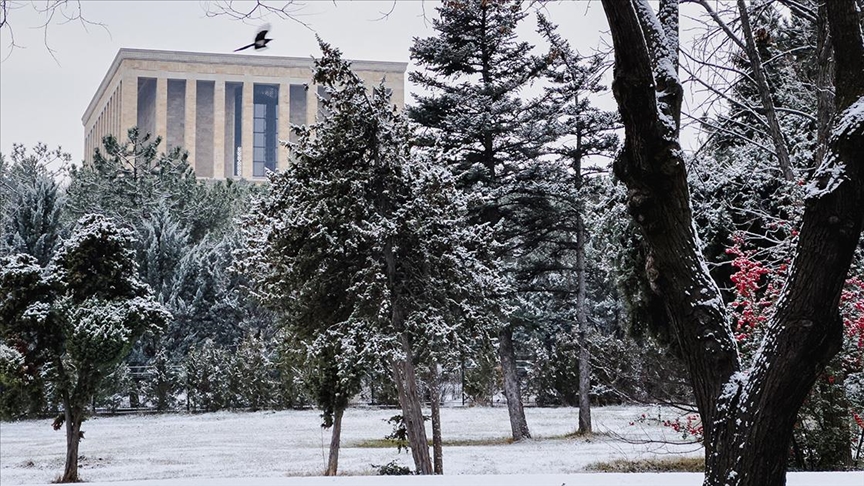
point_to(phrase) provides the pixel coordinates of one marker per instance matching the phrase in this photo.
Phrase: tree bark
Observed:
(74, 419)
(582, 318)
(335, 435)
(404, 373)
(518, 424)
(412, 412)
(824, 84)
(435, 405)
(748, 416)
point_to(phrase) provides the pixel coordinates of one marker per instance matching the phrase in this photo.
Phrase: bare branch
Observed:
(257, 11)
(765, 94)
(55, 11)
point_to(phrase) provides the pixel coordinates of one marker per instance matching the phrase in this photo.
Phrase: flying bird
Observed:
(260, 39)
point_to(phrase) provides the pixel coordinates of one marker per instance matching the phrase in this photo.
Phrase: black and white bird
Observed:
(261, 39)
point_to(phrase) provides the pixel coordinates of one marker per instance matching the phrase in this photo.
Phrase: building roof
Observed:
(220, 58)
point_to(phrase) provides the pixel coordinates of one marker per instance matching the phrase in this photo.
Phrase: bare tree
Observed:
(257, 10)
(55, 12)
(748, 413)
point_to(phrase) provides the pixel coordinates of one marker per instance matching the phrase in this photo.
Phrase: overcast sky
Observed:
(43, 99)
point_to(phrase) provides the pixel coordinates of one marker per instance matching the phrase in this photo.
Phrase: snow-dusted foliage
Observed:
(78, 317)
(360, 243)
(184, 231)
(206, 369)
(30, 202)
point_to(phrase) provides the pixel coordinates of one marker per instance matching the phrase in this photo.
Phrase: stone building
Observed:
(229, 111)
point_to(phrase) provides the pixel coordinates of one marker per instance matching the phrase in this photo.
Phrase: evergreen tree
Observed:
(362, 246)
(206, 368)
(162, 382)
(254, 373)
(475, 71)
(185, 237)
(77, 318)
(162, 243)
(129, 180)
(32, 203)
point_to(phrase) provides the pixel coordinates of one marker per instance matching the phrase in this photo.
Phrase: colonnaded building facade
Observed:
(229, 111)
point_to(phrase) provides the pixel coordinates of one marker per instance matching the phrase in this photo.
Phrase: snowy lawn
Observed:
(273, 445)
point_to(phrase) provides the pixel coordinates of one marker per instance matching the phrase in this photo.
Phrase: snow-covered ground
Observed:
(271, 446)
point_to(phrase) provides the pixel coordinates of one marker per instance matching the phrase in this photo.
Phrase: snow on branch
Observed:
(831, 172)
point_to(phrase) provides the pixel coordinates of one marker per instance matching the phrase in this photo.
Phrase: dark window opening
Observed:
(234, 126)
(265, 133)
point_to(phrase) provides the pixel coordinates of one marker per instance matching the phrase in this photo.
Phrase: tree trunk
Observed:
(748, 416)
(412, 412)
(404, 373)
(435, 404)
(518, 424)
(582, 321)
(74, 418)
(335, 434)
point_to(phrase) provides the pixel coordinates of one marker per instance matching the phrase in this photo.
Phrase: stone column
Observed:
(311, 104)
(128, 104)
(189, 123)
(219, 130)
(284, 124)
(248, 129)
(160, 125)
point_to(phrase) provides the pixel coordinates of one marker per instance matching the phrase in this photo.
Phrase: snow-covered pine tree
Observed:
(32, 203)
(254, 373)
(475, 71)
(362, 246)
(206, 369)
(583, 132)
(208, 299)
(163, 381)
(162, 244)
(77, 318)
(129, 180)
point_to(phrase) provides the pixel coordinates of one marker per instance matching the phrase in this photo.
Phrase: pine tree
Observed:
(32, 204)
(476, 70)
(253, 371)
(206, 369)
(362, 247)
(129, 180)
(162, 382)
(162, 243)
(77, 318)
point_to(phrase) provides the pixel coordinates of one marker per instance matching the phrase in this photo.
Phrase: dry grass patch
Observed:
(666, 464)
(389, 443)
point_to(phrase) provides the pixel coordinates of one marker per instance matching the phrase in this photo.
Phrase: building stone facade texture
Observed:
(229, 111)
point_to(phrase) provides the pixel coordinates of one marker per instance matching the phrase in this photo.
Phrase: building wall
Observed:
(176, 107)
(190, 100)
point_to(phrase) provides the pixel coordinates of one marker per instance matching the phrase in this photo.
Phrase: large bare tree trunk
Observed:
(435, 405)
(74, 417)
(335, 435)
(518, 424)
(748, 416)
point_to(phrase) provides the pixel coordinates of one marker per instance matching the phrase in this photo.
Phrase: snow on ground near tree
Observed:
(584, 479)
(273, 445)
